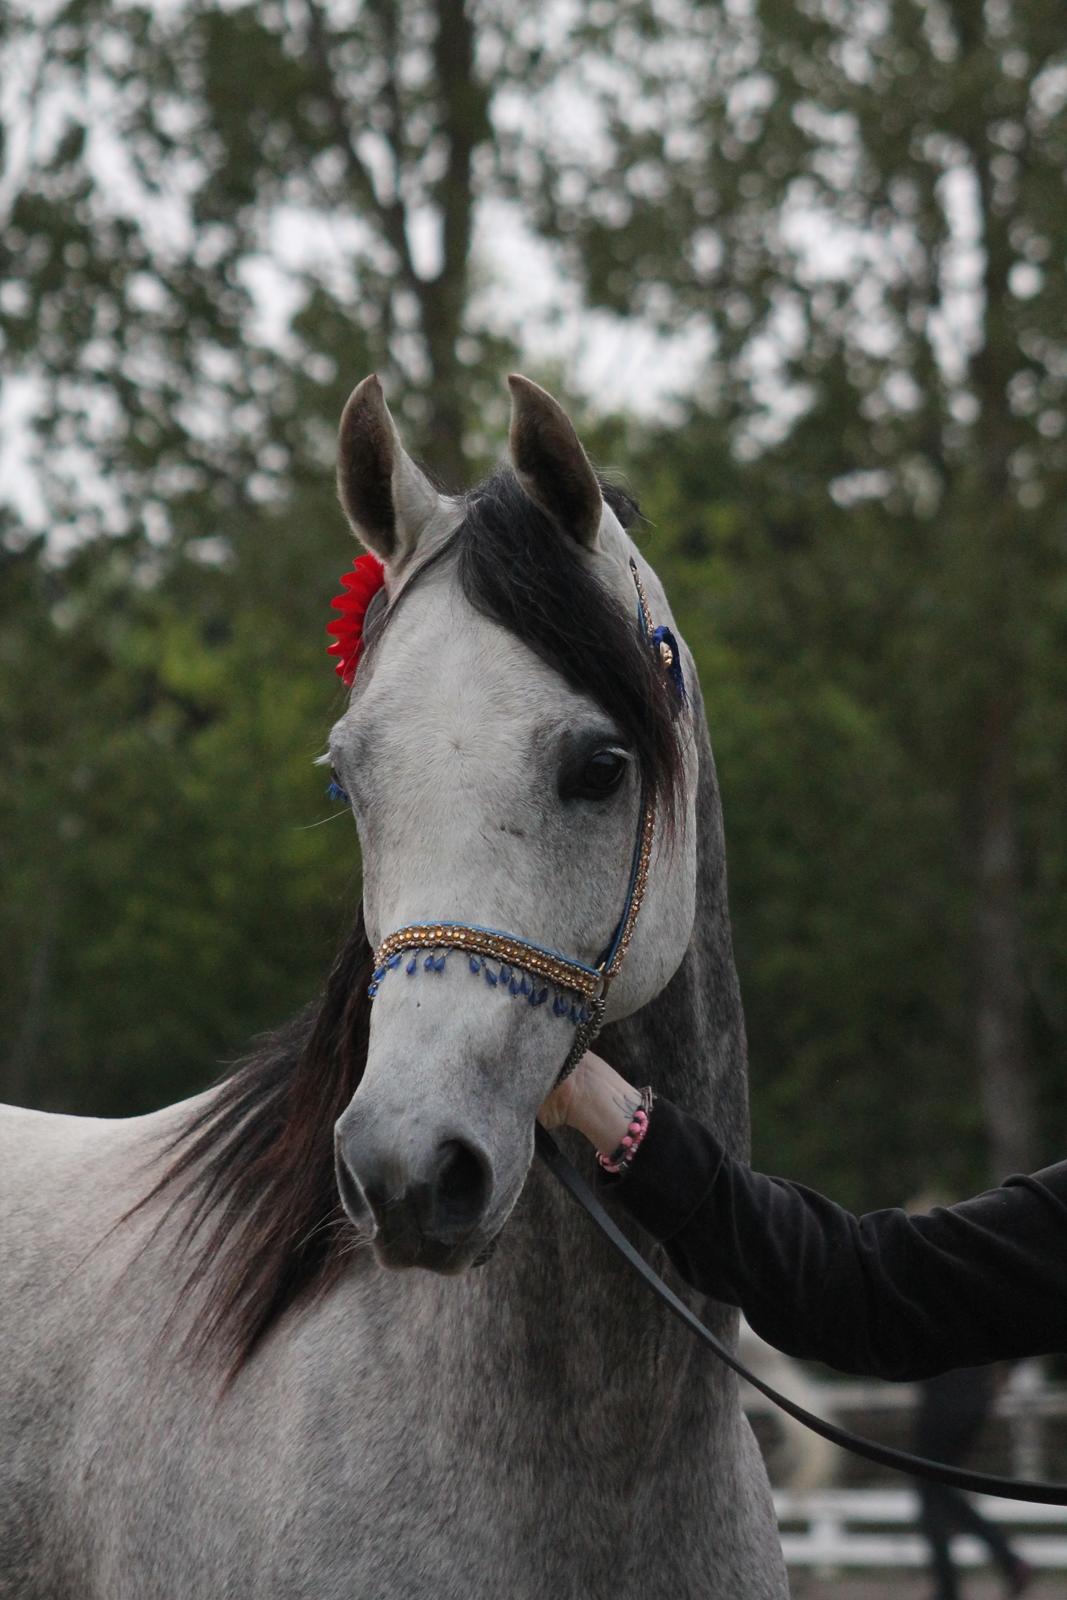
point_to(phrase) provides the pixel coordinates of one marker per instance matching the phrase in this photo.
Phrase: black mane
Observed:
(265, 1228)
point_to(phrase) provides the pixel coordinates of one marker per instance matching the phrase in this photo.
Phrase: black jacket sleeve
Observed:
(888, 1294)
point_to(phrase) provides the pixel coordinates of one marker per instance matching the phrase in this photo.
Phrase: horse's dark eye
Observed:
(601, 774)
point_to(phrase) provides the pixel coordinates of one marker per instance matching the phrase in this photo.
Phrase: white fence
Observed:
(1029, 1413)
(829, 1528)
(840, 1528)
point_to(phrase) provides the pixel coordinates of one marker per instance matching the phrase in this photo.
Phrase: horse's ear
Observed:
(388, 500)
(551, 464)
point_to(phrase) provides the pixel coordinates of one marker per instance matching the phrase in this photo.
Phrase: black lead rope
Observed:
(1049, 1494)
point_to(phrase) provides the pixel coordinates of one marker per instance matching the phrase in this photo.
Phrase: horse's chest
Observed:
(419, 1467)
(389, 1499)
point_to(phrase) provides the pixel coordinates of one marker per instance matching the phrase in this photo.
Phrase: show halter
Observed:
(525, 970)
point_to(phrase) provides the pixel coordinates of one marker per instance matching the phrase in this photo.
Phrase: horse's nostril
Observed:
(461, 1190)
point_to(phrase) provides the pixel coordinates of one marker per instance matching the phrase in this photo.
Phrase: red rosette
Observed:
(360, 587)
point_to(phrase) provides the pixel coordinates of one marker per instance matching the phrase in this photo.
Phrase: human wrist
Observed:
(617, 1161)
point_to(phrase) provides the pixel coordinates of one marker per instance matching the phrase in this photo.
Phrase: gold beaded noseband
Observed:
(526, 970)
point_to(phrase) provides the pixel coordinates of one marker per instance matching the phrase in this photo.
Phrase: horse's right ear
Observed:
(550, 463)
(388, 500)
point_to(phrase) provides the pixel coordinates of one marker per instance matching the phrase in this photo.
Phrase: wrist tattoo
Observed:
(627, 1103)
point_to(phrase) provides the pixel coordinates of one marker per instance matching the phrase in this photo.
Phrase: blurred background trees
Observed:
(850, 217)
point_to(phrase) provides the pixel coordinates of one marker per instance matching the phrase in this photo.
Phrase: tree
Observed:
(168, 174)
(218, 217)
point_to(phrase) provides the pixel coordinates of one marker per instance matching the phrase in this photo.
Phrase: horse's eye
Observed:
(335, 789)
(601, 775)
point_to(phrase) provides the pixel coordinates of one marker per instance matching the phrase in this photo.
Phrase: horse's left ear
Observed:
(551, 464)
(389, 501)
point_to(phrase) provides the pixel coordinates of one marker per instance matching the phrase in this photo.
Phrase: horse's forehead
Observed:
(441, 625)
(437, 627)
(446, 676)
(459, 653)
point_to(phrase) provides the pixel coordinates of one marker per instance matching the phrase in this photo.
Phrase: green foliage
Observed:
(168, 887)
(844, 872)
(863, 205)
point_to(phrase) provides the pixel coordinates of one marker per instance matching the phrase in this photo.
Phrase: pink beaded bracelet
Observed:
(620, 1158)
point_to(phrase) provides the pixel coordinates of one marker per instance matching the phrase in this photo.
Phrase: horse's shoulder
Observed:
(66, 1184)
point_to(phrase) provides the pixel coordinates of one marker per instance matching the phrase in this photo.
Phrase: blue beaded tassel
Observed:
(513, 980)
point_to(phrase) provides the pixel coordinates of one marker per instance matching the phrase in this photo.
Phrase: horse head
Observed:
(509, 722)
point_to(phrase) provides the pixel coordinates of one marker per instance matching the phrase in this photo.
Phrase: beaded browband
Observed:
(526, 970)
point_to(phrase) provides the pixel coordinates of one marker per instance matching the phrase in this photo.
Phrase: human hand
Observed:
(596, 1100)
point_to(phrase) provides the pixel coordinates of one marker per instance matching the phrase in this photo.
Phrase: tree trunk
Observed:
(1000, 1000)
(443, 299)
(1005, 1083)
(460, 116)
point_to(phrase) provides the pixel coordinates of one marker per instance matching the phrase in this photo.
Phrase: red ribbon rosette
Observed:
(360, 587)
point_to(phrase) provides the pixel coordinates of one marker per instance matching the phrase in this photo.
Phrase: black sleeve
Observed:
(888, 1294)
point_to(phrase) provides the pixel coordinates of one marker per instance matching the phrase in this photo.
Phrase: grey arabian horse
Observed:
(221, 1379)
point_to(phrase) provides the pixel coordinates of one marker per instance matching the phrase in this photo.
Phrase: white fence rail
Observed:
(1029, 1415)
(841, 1528)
